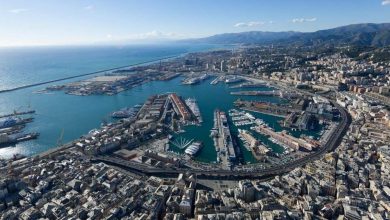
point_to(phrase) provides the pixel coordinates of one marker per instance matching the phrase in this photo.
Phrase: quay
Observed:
(82, 75)
(248, 85)
(264, 112)
(217, 80)
(258, 93)
(224, 143)
(286, 139)
(259, 151)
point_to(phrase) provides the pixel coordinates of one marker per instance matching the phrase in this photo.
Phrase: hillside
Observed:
(356, 34)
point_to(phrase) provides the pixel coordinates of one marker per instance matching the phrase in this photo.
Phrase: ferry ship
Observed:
(193, 105)
(126, 112)
(194, 148)
(196, 80)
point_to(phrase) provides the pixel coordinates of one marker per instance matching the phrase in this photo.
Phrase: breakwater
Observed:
(85, 74)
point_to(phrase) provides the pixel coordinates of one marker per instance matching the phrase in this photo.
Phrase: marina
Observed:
(241, 118)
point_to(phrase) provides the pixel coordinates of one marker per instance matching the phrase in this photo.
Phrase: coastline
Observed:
(88, 74)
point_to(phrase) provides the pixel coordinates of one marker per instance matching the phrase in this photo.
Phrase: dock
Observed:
(223, 141)
(258, 93)
(217, 80)
(248, 85)
(286, 140)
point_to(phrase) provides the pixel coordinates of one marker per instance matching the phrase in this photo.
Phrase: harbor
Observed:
(11, 128)
(91, 117)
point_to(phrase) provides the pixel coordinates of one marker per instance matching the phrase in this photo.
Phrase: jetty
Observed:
(258, 93)
(15, 113)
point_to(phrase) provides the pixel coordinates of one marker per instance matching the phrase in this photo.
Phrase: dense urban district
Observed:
(128, 169)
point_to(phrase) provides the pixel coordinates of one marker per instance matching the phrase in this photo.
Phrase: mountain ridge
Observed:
(365, 34)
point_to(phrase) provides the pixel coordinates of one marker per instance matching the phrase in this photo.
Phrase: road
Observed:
(332, 143)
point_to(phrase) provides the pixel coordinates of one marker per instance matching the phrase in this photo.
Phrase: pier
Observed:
(258, 93)
(217, 80)
(224, 143)
(17, 113)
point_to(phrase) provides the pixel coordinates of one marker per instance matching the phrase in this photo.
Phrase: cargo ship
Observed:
(194, 148)
(6, 140)
(126, 112)
(193, 105)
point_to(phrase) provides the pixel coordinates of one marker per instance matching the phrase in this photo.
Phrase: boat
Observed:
(6, 139)
(10, 122)
(233, 79)
(194, 148)
(193, 105)
(196, 79)
(126, 112)
(25, 137)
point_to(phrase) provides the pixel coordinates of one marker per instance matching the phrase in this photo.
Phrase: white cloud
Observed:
(148, 36)
(386, 2)
(18, 10)
(252, 23)
(89, 7)
(301, 20)
(156, 35)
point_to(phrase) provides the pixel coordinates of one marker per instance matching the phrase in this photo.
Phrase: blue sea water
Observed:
(57, 112)
(76, 115)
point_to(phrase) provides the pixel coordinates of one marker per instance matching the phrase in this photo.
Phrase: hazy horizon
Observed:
(44, 23)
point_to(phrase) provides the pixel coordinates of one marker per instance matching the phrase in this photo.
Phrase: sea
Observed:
(61, 118)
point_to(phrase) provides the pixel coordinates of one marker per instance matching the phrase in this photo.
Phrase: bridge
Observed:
(254, 173)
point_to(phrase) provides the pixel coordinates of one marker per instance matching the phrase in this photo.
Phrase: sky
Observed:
(78, 22)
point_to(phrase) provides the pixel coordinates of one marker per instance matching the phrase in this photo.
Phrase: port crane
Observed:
(60, 139)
